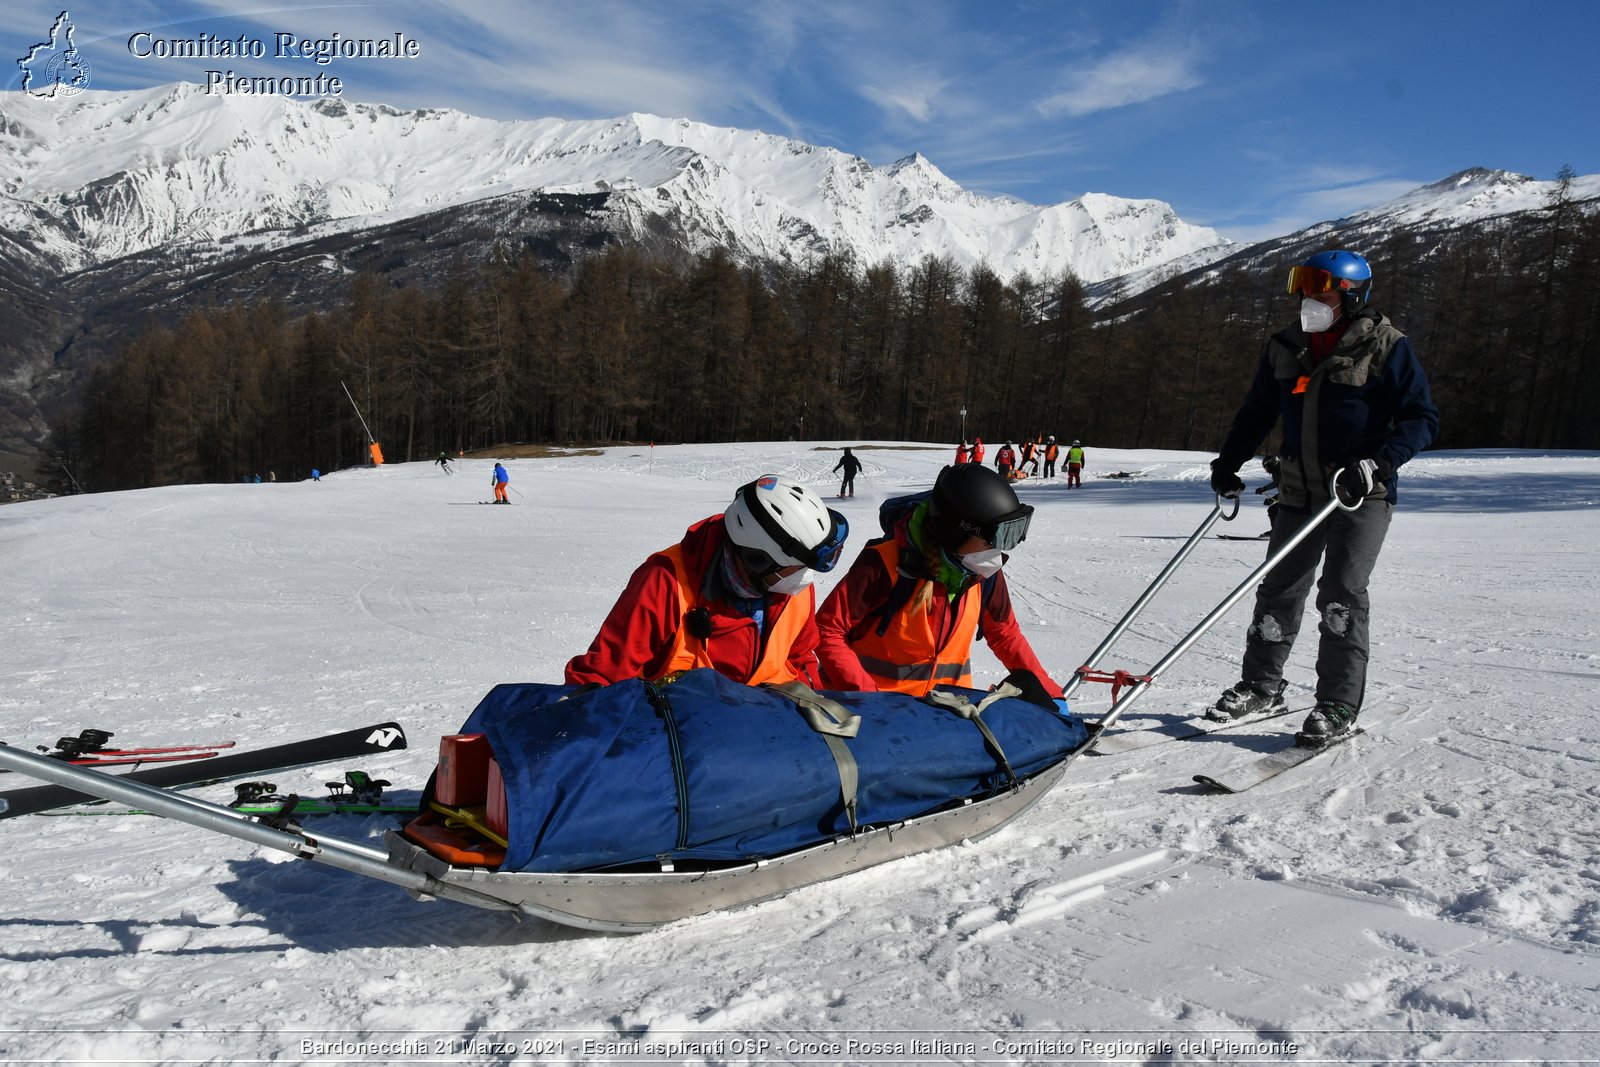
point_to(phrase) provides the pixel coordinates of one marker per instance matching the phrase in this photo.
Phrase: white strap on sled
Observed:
(835, 723)
(965, 708)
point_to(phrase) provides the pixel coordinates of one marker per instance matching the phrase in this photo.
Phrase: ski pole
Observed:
(346, 855)
(1161, 579)
(1140, 686)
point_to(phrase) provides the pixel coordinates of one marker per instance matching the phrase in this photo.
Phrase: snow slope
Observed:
(1430, 894)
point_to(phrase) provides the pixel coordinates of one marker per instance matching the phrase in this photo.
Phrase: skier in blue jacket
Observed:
(1352, 397)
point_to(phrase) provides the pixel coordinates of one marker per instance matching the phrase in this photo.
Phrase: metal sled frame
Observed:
(640, 900)
(604, 901)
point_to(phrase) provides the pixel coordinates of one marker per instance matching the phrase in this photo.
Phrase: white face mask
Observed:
(790, 584)
(984, 563)
(1315, 316)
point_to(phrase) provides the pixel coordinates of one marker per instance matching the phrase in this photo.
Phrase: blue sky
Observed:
(1255, 118)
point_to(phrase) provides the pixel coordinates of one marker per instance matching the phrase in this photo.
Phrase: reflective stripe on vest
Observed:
(906, 658)
(689, 653)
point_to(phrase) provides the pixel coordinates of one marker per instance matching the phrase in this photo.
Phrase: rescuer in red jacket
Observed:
(735, 595)
(904, 618)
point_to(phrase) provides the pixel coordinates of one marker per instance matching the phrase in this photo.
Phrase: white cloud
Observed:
(1289, 214)
(1128, 77)
(914, 97)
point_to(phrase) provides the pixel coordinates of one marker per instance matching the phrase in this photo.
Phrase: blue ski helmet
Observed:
(1336, 269)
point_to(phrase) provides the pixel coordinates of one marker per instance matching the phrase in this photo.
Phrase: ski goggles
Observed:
(822, 557)
(1006, 532)
(1311, 281)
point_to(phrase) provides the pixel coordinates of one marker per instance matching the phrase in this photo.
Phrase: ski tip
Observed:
(389, 736)
(1211, 783)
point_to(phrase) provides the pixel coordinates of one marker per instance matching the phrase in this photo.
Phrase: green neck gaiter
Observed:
(951, 575)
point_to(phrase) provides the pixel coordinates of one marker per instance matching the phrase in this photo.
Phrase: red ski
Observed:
(159, 751)
(89, 749)
(118, 759)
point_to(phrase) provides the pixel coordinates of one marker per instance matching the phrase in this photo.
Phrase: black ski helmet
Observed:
(972, 499)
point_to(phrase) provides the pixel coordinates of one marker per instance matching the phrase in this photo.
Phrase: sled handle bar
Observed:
(1093, 662)
(1142, 684)
(346, 855)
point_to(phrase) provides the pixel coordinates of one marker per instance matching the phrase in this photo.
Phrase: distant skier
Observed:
(1075, 465)
(1354, 402)
(977, 450)
(963, 453)
(501, 481)
(1270, 464)
(851, 466)
(443, 461)
(1051, 453)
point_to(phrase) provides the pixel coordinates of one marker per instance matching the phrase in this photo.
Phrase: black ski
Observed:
(383, 737)
(1185, 730)
(1241, 776)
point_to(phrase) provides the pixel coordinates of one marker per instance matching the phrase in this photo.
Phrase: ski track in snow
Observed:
(1430, 891)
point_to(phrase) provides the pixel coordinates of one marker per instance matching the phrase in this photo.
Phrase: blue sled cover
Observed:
(706, 768)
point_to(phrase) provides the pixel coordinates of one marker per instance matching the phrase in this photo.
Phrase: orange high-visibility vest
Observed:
(688, 653)
(906, 657)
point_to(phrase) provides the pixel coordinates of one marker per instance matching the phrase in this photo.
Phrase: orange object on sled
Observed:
(463, 776)
(494, 814)
(458, 845)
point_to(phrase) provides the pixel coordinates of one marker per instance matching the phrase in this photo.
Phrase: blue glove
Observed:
(1061, 706)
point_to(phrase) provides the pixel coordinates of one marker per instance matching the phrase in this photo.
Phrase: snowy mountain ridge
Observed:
(1464, 199)
(108, 174)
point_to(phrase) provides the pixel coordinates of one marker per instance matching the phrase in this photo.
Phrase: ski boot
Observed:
(1328, 722)
(1246, 699)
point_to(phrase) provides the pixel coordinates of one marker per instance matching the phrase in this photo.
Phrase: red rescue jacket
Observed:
(928, 649)
(646, 636)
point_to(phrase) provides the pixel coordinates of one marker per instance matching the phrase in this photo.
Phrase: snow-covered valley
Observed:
(1430, 892)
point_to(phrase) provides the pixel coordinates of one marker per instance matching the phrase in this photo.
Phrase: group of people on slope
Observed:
(1009, 461)
(735, 594)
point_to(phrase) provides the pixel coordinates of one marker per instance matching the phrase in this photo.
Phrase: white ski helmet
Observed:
(787, 523)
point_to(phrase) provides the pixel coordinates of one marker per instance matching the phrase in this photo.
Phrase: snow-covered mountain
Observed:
(1462, 200)
(107, 174)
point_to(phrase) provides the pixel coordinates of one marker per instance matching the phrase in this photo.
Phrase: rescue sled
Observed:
(631, 806)
(626, 807)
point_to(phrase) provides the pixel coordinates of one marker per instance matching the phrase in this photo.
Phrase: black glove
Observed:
(1225, 479)
(1361, 477)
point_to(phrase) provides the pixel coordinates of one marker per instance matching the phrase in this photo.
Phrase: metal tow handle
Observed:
(1139, 605)
(1139, 687)
(335, 852)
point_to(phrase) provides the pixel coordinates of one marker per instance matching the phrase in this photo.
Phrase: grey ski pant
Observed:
(1347, 545)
